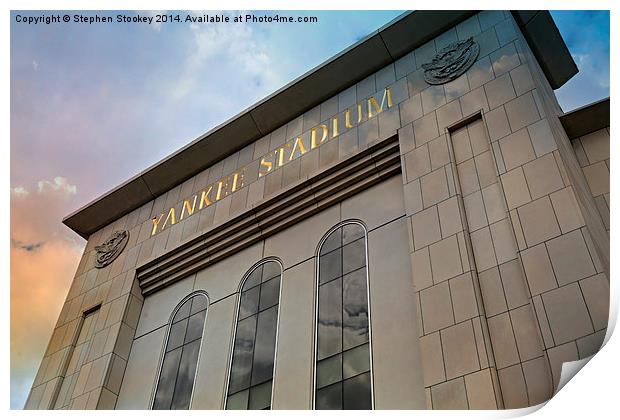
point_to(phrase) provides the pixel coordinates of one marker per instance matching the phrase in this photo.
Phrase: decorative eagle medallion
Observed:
(451, 61)
(110, 249)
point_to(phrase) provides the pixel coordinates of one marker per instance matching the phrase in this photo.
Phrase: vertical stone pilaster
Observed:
(457, 358)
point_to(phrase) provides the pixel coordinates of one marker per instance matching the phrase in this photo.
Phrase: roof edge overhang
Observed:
(383, 46)
(586, 119)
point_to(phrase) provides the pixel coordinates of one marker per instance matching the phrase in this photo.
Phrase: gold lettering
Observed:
(265, 164)
(190, 210)
(372, 102)
(313, 142)
(335, 132)
(170, 217)
(204, 198)
(222, 185)
(281, 156)
(238, 178)
(347, 119)
(347, 116)
(302, 148)
(155, 222)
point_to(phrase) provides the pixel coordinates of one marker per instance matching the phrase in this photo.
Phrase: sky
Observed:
(92, 105)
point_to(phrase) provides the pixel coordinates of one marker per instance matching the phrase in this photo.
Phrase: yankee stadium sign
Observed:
(295, 148)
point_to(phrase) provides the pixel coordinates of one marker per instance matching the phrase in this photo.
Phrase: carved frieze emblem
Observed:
(111, 248)
(451, 61)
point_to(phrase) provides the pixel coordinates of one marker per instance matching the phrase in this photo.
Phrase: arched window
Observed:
(178, 368)
(343, 374)
(251, 372)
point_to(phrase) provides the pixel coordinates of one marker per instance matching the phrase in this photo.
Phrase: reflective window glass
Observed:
(185, 377)
(330, 266)
(168, 376)
(238, 401)
(178, 370)
(254, 278)
(330, 319)
(333, 241)
(194, 326)
(351, 232)
(251, 373)
(353, 256)
(355, 361)
(269, 293)
(343, 373)
(356, 393)
(249, 302)
(329, 371)
(262, 368)
(242, 355)
(183, 311)
(177, 334)
(330, 397)
(260, 396)
(270, 270)
(355, 309)
(198, 305)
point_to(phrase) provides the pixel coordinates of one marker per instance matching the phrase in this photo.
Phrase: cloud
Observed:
(19, 192)
(155, 25)
(44, 257)
(219, 52)
(35, 65)
(59, 184)
(26, 247)
(35, 214)
(586, 34)
(587, 64)
(39, 283)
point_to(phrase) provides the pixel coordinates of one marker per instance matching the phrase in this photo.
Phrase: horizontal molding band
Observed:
(273, 214)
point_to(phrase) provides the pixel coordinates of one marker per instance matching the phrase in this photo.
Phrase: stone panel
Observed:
(595, 291)
(212, 368)
(141, 372)
(157, 308)
(538, 221)
(567, 325)
(397, 366)
(286, 245)
(502, 337)
(445, 259)
(538, 269)
(377, 205)
(450, 395)
(426, 229)
(480, 391)
(294, 351)
(570, 258)
(223, 278)
(513, 386)
(459, 350)
(434, 371)
(436, 308)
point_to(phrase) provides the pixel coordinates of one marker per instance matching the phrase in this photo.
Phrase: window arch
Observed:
(183, 340)
(343, 371)
(251, 371)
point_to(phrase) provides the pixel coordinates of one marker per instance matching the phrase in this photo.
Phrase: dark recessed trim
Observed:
(400, 36)
(586, 119)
